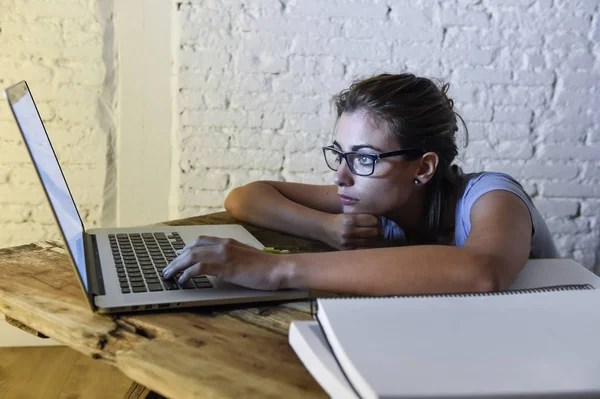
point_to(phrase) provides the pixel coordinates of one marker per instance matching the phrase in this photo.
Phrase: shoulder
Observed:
(473, 186)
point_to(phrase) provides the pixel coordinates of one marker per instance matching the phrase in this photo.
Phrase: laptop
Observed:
(120, 269)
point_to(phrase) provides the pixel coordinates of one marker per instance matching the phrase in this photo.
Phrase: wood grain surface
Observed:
(204, 352)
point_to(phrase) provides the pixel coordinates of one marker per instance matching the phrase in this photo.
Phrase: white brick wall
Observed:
(57, 46)
(255, 83)
(256, 79)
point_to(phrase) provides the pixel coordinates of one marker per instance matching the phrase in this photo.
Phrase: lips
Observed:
(344, 199)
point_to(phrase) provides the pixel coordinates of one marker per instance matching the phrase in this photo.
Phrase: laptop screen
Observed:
(47, 166)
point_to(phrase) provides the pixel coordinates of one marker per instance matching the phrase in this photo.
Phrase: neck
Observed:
(411, 217)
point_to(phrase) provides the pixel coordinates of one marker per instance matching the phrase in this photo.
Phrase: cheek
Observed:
(381, 196)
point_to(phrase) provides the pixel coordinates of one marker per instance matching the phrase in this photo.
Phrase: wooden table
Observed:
(237, 352)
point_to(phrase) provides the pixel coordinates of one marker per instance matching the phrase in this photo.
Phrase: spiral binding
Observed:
(550, 288)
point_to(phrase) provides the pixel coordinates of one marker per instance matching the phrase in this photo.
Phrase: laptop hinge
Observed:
(92, 261)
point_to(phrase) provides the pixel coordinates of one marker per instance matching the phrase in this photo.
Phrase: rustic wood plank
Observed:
(16, 373)
(92, 379)
(137, 391)
(241, 352)
(57, 372)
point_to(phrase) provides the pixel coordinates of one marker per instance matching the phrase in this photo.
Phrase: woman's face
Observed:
(392, 182)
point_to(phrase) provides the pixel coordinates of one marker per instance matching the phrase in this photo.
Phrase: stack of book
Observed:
(539, 339)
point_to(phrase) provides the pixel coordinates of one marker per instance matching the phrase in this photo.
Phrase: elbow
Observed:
(485, 275)
(232, 201)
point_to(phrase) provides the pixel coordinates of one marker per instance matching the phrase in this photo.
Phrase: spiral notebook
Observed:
(529, 342)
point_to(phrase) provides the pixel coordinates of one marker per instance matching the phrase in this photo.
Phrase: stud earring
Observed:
(417, 182)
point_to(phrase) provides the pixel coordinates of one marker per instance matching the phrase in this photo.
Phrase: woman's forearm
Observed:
(392, 271)
(263, 205)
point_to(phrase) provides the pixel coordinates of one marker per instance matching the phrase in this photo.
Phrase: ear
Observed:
(427, 167)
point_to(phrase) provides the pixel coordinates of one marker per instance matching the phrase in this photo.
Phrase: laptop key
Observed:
(139, 289)
(170, 285)
(188, 285)
(155, 287)
(204, 285)
(125, 290)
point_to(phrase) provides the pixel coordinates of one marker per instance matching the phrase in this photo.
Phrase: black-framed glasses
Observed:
(360, 163)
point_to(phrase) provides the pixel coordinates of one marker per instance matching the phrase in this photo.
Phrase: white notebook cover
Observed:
(418, 380)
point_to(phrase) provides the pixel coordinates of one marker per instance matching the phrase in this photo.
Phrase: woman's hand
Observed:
(353, 230)
(231, 261)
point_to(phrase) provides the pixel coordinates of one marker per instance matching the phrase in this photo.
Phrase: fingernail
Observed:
(178, 251)
(180, 281)
(166, 272)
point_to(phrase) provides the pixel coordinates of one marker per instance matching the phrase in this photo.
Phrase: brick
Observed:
(316, 8)
(324, 177)
(506, 149)
(262, 63)
(13, 234)
(303, 162)
(294, 25)
(191, 197)
(561, 133)
(191, 16)
(309, 123)
(498, 131)
(593, 172)
(585, 258)
(487, 76)
(527, 78)
(512, 115)
(591, 208)
(567, 40)
(536, 170)
(568, 226)
(478, 19)
(579, 59)
(365, 49)
(250, 138)
(534, 60)
(212, 118)
(571, 190)
(557, 208)
(203, 58)
(234, 158)
(516, 3)
(578, 79)
(243, 177)
(586, 242)
(190, 211)
(476, 114)
(579, 153)
(197, 141)
(42, 214)
(205, 179)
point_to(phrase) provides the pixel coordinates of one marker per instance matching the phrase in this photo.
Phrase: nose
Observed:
(343, 177)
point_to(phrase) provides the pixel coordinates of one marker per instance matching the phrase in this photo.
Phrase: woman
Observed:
(414, 223)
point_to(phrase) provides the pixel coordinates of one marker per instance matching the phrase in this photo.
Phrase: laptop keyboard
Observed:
(141, 258)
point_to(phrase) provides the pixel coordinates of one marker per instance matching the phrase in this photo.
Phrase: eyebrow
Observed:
(358, 147)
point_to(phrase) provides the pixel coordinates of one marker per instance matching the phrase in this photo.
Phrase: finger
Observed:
(190, 272)
(364, 232)
(184, 261)
(202, 241)
(365, 220)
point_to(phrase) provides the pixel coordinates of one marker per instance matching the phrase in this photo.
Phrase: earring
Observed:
(417, 182)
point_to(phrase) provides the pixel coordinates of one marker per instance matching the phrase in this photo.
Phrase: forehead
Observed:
(356, 129)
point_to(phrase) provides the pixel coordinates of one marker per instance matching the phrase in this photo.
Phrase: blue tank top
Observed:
(473, 186)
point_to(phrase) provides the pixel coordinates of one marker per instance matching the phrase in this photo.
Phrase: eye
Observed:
(364, 160)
